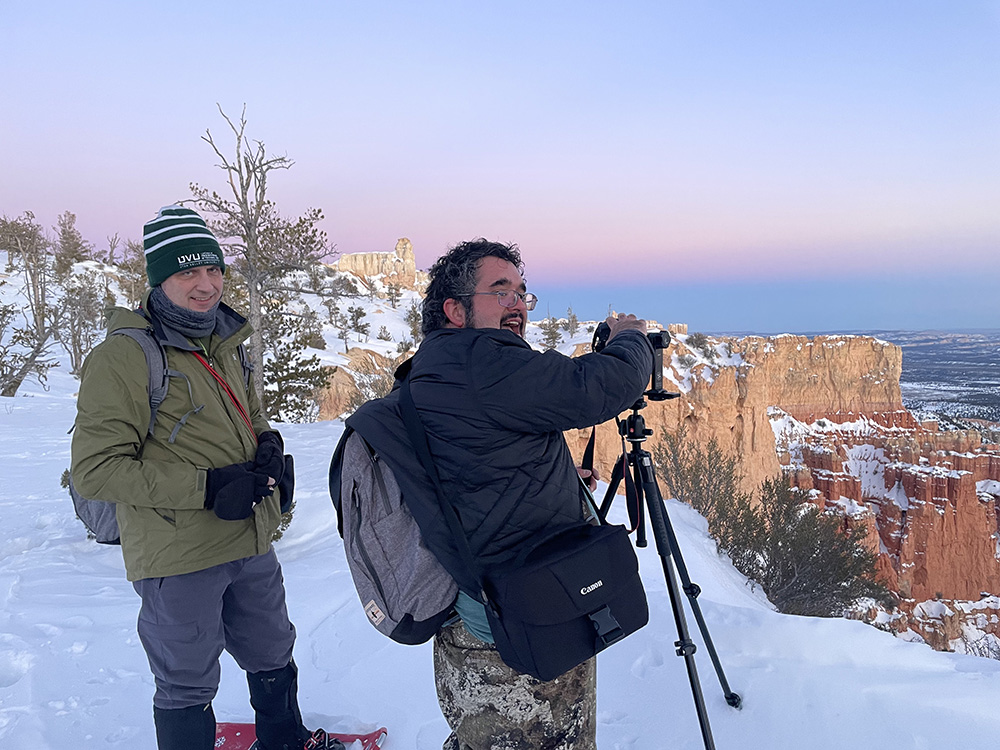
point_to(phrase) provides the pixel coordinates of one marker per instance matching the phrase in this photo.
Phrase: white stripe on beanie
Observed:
(178, 238)
(178, 225)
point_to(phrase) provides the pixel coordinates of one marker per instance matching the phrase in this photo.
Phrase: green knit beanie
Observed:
(176, 240)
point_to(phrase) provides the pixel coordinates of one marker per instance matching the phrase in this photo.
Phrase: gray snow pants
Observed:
(489, 706)
(187, 620)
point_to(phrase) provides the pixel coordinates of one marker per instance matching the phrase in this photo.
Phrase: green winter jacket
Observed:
(159, 485)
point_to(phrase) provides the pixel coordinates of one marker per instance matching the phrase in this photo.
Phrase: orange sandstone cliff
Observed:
(729, 397)
(827, 412)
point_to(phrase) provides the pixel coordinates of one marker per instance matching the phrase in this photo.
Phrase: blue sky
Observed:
(737, 166)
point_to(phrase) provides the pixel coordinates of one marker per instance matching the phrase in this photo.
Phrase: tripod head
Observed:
(633, 429)
(660, 341)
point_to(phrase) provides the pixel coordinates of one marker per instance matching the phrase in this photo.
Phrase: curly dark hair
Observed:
(454, 274)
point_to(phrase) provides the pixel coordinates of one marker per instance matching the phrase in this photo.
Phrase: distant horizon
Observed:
(856, 332)
(900, 302)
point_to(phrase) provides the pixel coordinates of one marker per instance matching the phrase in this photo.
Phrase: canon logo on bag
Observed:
(592, 587)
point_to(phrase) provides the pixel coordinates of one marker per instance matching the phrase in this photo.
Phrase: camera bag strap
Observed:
(564, 599)
(418, 437)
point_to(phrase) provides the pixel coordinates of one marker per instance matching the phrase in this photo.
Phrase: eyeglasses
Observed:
(509, 298)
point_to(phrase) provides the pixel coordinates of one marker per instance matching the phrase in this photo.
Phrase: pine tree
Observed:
(393, 293)
(132, 272)
(571, 325)
(294, 380)
(551, 336)
(413, 319)
(28, 331)
(700, 342)
(70, 247)
(356, 317)
(85, 293)
(80, 322)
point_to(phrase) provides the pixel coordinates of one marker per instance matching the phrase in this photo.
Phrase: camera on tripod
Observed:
(660, 341)
(637, 464)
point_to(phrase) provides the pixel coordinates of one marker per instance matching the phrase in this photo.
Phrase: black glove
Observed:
(233, 491)
(270, 458)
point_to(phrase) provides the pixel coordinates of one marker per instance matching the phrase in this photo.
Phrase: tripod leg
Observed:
(686, 648)
(633, 497)
(662, 528)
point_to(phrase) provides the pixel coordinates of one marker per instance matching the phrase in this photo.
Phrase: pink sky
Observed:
(640, 143)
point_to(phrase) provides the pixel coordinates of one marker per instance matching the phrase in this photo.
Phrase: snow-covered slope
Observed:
(73, 674)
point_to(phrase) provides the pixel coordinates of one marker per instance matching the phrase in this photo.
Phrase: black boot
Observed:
(191, 728)
(274, 697)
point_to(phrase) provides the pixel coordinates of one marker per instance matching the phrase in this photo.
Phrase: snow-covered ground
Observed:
(73, 674)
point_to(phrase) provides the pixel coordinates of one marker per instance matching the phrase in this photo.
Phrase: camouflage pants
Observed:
(489, 706)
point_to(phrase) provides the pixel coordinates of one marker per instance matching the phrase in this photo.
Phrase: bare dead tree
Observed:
(266, 248)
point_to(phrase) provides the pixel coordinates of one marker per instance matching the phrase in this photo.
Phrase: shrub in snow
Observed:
(805, 560)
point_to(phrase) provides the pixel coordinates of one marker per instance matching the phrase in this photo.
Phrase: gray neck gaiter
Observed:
(189, 322)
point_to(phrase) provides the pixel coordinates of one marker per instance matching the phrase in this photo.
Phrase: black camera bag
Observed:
(571, 596)
(561, 601)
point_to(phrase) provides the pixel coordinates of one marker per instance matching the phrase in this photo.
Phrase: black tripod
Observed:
(633, 429)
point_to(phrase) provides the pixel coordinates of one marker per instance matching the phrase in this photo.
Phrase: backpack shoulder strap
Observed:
(418, 438)
(156, 365)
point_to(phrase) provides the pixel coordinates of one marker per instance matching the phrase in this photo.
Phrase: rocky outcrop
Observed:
(924, 500)
(932, 497)
(830, 377)
(727, 393)
(367, 369)
(333, 400)
(398, 267)
(939, 533)
(970, 627)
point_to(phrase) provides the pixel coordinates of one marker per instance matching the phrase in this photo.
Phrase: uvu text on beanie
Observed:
(176, 240)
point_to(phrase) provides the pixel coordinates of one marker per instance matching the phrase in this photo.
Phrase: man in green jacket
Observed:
(196, 495)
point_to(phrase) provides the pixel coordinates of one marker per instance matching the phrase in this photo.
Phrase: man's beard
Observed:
(472, 323)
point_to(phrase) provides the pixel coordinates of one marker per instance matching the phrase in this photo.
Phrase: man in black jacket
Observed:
(494, 411)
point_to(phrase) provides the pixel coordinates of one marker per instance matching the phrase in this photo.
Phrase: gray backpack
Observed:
(100, 516)
(406, 593)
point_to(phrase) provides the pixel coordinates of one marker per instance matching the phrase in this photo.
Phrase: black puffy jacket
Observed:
(494, 411)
